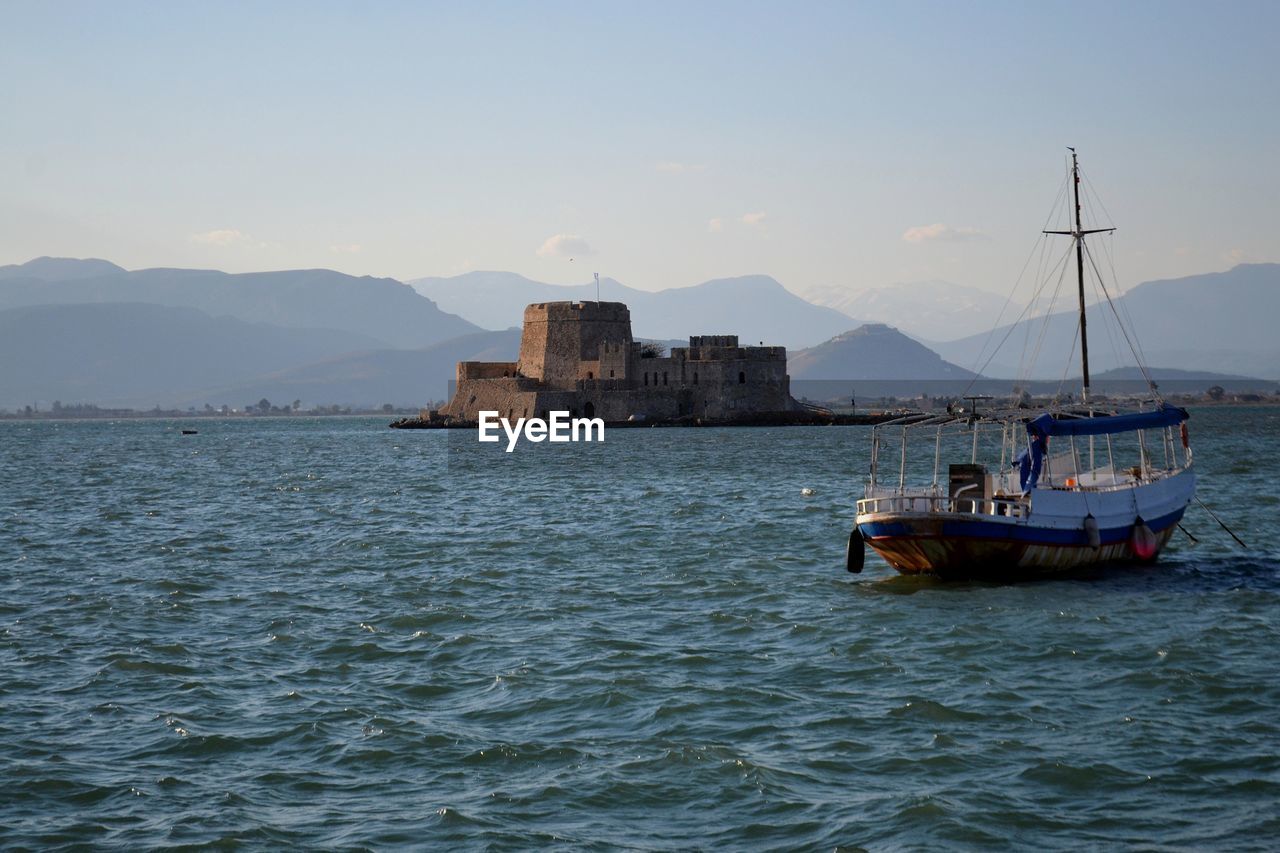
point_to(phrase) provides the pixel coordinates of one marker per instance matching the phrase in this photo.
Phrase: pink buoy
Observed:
(1142, 542)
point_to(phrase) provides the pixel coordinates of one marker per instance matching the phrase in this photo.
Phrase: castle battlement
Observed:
(577, 312)
(696, 341)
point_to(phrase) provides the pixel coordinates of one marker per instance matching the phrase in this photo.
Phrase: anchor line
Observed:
(1221, 523)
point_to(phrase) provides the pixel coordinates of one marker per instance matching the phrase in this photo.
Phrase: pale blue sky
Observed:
(678, 141)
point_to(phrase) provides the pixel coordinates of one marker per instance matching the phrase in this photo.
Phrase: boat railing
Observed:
(1007, 507)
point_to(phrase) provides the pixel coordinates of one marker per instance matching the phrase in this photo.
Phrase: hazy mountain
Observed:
(134, 354)
(496, 300)
(928, 310)
(1164, 374)
(380, 308)
(1219, 322)
(371, 378)
(60, 269)
(872, 351)
(756, 308)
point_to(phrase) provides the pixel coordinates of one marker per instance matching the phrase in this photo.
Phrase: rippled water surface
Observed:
(328, 633)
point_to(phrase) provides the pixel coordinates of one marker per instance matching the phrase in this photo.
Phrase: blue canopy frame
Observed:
(1165, 416)
(1030, 461)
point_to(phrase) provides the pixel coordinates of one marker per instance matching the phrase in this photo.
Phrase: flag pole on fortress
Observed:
(597, 275)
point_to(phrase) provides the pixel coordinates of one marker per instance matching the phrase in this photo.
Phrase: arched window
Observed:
(610, 374)
(664, 377)
(590, 375)
(742, 378)
(589, 409)
(646, 379)
(695, 377)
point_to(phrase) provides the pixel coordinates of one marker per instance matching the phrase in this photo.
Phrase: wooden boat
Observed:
(1034, 491)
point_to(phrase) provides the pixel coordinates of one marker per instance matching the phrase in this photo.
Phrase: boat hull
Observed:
(916, 544)
(1130, 525)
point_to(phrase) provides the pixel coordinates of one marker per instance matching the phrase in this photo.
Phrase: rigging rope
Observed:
(1141, 354)
(1141, 363)
(1044, 272)
(1014, 325)
(1041, 243)
(1057, 397)
(1106, 326)
(1029, 364)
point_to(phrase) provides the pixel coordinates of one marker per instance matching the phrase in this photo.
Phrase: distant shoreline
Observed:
(410, 418)
(766, 419)
(152, 415)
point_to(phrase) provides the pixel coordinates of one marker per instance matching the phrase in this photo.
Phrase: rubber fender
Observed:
(855, 553)
(1142, 542)
(1091, 532)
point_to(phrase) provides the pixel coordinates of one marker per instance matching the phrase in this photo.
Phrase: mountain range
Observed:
(90, 331)
(755, 307)
(380, 308)
(405, 378)
(136, 354)
(872, 351)
(925, 310)
(1219, 322)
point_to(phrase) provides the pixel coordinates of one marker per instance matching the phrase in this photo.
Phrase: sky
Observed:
(831, 145)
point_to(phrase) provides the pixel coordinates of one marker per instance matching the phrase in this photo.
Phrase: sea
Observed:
(324, 633)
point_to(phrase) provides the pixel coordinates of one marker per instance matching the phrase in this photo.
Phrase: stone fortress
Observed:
(580, 357)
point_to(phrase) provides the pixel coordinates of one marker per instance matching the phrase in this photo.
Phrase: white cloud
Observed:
(939, 231)
(673, 168)
(716, 225)
(346, 248)
(1237, 256)
(564, 246)
(756, 218)
(222, 237)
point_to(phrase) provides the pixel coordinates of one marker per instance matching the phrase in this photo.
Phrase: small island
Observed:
(581, 358)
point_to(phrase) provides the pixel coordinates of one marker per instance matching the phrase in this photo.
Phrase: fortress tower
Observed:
(564, 342)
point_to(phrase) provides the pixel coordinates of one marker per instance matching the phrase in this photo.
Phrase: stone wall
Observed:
(485, 370)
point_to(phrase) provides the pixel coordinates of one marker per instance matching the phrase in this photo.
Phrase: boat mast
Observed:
(1078, 236)
(1084, 338)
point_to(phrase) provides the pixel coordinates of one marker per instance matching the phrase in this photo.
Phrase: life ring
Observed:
(1142, 541)
(1186, 439)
